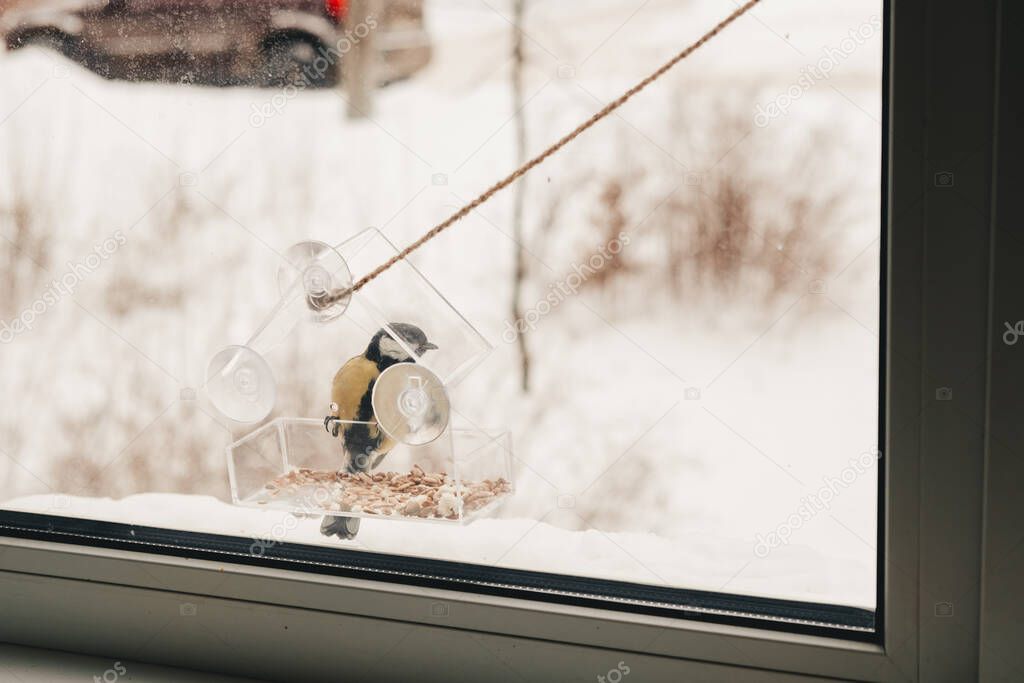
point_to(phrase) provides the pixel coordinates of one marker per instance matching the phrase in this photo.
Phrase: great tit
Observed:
(351, 401)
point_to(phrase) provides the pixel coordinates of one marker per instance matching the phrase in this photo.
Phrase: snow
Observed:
(697, 561)
(621, 471)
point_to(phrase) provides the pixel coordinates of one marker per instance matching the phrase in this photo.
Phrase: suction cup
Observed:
(240, 384)
(411, 404)
(323, 276)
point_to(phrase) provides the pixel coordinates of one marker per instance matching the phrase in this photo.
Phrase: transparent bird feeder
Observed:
(292, 464)
(293, 354)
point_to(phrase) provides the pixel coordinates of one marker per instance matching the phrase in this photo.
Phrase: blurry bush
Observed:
(28, 218)
(719, 211)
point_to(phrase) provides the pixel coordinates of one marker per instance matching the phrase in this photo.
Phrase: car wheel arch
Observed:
(308, 25)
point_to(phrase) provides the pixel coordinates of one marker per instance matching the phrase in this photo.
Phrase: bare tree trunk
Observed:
(359, 65)
(519, 198)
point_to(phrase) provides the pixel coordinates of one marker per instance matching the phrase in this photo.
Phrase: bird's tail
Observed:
(344, 528)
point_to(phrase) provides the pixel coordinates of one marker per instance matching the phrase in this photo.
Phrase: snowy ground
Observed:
(699, 560)
(619, 474)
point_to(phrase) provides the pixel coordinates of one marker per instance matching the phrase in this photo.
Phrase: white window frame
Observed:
(944, 515)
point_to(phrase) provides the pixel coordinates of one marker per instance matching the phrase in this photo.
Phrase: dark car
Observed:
(220, 42)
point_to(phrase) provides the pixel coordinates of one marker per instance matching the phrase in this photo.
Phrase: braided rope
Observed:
(537, 160)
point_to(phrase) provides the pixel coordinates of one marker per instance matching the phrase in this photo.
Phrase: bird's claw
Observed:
(332, 425)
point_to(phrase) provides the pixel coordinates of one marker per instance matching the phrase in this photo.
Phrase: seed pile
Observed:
(412, 494)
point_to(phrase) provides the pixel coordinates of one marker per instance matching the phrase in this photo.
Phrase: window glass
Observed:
(657, 352)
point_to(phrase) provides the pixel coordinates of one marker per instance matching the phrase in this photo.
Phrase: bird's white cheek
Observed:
(391, 349)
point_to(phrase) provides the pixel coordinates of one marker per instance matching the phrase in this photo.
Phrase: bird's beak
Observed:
(426, 346)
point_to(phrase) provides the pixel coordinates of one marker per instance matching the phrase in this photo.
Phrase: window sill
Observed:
(248, 620)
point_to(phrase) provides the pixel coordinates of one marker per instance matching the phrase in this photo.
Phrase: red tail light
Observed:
(338, 9)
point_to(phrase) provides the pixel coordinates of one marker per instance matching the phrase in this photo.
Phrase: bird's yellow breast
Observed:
(350, 384)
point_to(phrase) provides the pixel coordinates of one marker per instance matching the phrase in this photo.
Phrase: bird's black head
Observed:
(385, 350)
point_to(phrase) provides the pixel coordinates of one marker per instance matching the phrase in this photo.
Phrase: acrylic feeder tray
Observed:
(293, 464)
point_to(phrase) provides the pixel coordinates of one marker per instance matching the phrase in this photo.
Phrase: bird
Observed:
(351, 412)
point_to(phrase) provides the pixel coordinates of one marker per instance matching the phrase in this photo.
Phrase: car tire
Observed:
(294, 62)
